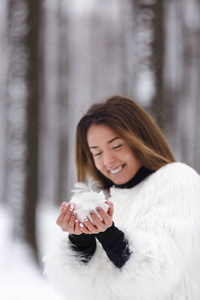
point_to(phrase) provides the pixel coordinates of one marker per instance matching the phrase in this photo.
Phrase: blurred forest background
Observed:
(60, 56)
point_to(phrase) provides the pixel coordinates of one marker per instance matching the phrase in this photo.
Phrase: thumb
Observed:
(110, 208)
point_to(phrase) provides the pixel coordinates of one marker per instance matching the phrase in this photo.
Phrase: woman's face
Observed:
(112, 155)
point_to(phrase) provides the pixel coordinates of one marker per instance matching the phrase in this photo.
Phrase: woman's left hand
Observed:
(99, 225)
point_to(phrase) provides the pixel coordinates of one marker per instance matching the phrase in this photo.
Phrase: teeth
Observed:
(116, 171)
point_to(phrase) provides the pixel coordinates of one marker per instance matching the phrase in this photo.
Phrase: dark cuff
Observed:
(115, 245)
(84, 246)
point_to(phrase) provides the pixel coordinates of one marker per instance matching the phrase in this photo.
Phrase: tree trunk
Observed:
(157, 59)
(32, 132)
(63, 106)
(16, 94)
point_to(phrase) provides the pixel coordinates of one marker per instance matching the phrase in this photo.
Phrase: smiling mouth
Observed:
(117, 170)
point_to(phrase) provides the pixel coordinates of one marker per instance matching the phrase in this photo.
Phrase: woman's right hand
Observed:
(67, 220)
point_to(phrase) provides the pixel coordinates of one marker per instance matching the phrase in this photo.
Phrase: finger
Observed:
(62, 216)
(69, 220)
(99, 225)
(77, 227)
(65, 213)
(91, 227)
(63, 205)
(105, 217)
(84, 229)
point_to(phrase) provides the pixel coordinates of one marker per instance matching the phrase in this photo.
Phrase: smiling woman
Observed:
(127, 121)
(113, 157)
(145, 244)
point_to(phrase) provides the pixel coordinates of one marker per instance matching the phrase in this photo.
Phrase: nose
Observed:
(109, 158)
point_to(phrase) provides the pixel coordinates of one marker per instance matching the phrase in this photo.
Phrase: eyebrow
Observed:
(109, 142)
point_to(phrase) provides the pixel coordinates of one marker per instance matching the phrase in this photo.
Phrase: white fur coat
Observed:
(161, 220)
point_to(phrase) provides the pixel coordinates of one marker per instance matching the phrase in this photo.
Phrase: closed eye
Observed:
(97, 154)
(116, 147)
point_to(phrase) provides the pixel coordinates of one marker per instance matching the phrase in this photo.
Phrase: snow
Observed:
(20, 277)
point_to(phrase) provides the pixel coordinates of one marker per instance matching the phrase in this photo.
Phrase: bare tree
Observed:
(188, 104)
(3, 74)
(16, 93)
(156, 10)
(63, 74)
(181, 79)
(34, 14)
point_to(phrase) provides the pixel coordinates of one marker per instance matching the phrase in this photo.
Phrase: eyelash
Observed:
(97, 154)
(116, 147)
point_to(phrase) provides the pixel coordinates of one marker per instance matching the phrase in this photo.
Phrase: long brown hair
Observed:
(132, 123)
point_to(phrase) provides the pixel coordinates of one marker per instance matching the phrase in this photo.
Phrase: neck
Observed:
(141, 174)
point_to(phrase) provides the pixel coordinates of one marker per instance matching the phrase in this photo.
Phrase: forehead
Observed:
(98, 134)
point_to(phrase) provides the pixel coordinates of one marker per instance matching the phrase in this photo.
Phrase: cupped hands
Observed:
(68, 221)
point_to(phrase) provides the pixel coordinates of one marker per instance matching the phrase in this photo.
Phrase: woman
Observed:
(147, 245)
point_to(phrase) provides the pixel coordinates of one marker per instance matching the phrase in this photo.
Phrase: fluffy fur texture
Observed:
(161, 220)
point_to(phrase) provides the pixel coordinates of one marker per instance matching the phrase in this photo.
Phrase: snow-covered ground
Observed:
(20, 278)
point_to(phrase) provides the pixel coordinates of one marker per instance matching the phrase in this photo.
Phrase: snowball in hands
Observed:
(87, 201)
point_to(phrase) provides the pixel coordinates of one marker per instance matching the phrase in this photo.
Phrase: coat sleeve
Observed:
(84, 245)
(115, 245)
(164, 239)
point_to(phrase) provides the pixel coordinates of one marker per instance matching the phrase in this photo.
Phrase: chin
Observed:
(119, 182)
(116, 180)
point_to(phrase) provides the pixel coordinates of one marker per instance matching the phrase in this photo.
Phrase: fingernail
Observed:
(72, 206)
(91, 213)
(76, 221)
(73, 215)
(66, 204)
(98, 208)
(81, 225)
(85, 219)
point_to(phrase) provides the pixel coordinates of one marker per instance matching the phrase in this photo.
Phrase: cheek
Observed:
(128, 157)
(97, 164)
